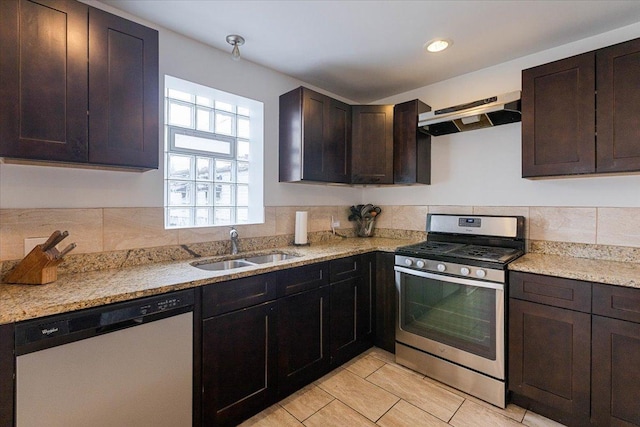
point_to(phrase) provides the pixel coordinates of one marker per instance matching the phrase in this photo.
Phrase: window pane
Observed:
(204, 216)
(203, 100)
(242, 150)
(243, 172)
(180, 193)
(179, 217)
(180, 167)
(191, 142)
(178, 94)
(224, 106)
(243, 128)
(242, 215)
(203, 168)
(224, 171)
(222, 216)
(180, 114)
(243, 111)
(203, 120)
(224, 124)
(204, 194)
(224, 195)
(243, 196)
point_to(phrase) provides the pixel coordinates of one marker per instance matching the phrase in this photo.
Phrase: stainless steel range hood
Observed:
(493, 111)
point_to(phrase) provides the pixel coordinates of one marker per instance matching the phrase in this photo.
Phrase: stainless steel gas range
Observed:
(452, 299)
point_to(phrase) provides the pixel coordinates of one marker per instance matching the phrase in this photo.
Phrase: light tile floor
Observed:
(372, 390)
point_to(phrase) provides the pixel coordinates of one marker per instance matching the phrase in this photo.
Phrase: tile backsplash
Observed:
(114, 229)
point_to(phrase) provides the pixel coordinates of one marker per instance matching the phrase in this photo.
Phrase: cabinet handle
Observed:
(321, 329)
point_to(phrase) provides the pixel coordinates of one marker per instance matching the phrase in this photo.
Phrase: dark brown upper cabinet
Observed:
(559, 105)
(411, 147)
(372, 144)
(79, 86)
(315, 138)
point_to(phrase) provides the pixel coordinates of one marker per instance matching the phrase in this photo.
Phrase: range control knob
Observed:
(441, 267)
(464, 271)
(420, 264)
(481, 273)
(408, 262)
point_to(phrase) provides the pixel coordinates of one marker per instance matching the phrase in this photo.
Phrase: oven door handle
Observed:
(442, 277)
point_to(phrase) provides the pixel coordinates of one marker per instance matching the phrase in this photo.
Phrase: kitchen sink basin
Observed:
(263, 259)
(243, 262)
(223, 265)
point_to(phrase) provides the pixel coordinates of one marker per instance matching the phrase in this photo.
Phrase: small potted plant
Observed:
(365, 218)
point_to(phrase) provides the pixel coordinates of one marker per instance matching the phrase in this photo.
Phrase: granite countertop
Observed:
(90, 289)
(591, 270)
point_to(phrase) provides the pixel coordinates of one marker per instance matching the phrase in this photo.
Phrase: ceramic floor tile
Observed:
(411, 387)
(532, 419)
(512, 411)
(382, 354)
(404, 414)
(337, 414)
(359, 394)
(274, 416)
(471, 414)
(306, 402)
(364, 366)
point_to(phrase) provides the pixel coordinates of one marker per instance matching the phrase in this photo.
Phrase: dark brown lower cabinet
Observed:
(7, 365)
(239, 352)
(549, 360)
(616, 372)
(303, 351)
(385, 303)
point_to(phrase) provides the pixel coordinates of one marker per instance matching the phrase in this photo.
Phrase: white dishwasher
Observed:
(125, 364)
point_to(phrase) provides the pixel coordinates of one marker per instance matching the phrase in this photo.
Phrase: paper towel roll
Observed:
(301, 228)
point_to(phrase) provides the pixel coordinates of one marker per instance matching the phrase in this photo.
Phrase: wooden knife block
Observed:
(37, 268)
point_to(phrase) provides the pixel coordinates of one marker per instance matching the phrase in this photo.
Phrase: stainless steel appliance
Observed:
(451, 294)
(125, 364)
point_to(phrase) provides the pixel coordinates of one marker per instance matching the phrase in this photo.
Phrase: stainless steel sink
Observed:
(223, 265)
(243, 262)
(263, 259)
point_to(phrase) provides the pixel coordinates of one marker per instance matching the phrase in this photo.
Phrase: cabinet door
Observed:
(238, 364)
(366, 299)
(385, 303)
(124, 90)
(558, 117)
(411, 147)
(337, 151)
(43, 69)
(549, 360)
(372, 144)
(315, 118)
(303, 355)
(616, 372)
(6, 374)
(618, 70)
(343, 320)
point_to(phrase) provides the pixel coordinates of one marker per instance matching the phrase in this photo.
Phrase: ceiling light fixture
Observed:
(437, 45)
(235, 41)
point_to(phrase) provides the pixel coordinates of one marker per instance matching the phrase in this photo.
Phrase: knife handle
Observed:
(50, 241)
(66, 251)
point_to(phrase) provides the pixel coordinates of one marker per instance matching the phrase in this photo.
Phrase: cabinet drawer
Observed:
(617, 302)
(554, 291)
(224, 297)
(300, 279)
(345, 268)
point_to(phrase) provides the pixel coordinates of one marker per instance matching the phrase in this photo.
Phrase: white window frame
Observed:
(255, 185)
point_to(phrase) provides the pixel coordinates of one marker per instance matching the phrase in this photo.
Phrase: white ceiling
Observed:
(368, 50)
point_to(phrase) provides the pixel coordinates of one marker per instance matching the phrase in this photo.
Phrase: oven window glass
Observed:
(460, 316)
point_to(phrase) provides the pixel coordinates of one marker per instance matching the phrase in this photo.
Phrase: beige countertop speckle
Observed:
(90, 289)
(592, 270)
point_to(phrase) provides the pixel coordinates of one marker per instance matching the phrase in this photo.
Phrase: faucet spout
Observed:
(233, 234)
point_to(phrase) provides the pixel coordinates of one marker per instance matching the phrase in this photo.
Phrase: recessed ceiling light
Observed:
(437, 45)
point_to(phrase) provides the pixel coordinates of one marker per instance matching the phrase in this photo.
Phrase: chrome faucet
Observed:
(233, 234)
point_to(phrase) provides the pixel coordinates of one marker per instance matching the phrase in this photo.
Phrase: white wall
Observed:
(483, 167)
(61, 187)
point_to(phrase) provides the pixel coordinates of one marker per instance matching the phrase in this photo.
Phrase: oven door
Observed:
(456, 319)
